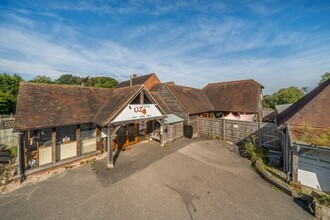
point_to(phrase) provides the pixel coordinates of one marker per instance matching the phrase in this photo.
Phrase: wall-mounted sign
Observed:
(138, 112)
(314, 169)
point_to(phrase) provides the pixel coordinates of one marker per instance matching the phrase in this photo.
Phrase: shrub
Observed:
(254, 152)
(324, 199)
(13, 152)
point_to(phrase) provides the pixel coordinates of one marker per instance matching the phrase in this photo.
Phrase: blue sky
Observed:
(277, 43)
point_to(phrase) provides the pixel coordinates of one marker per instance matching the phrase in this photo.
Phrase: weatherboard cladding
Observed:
(173, 104)
(311, 110)
(193, 100)
(160, 101)
(235, 96)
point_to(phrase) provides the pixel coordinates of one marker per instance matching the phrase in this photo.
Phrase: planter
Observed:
(321, 212)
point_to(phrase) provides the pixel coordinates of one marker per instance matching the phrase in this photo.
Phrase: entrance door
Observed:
(126, 135)
(131, 128)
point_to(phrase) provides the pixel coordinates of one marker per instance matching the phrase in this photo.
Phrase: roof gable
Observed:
(114, 103)
(311, 110)
(235, 96)
(147, 80)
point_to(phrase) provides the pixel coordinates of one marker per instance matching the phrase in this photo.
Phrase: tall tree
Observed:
(283, 96)
(324, 77)
(41, 79)
(102, 82)
(69, 79)
(8, 92)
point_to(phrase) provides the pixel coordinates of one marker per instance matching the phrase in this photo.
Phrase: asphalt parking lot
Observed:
(190, 179)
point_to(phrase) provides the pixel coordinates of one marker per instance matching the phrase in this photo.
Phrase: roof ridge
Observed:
(234, 81)
(301, 103)
(181, 86)
(63, 85)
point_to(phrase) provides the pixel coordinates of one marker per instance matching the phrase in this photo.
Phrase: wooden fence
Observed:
(267, 134)
(7, 136)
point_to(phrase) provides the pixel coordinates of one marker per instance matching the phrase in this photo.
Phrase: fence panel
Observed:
(7, 136)
(267, 134)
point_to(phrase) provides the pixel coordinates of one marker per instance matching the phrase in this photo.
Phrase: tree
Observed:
(102, 82)
(9, 85)
(324, 77)
(69, 79)
(305, 89)
(42, 79)
(283, 96)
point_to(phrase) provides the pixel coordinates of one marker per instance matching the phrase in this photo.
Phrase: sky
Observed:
(277, 43)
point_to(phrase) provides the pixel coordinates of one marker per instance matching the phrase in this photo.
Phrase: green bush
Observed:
(254, 152)
(13, 152)
(324, 199)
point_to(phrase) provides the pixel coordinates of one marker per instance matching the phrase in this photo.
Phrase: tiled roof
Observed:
(235, 96)
(311, 110)
(115, 102)
(149, 80)
(49, 105)
(193, 100)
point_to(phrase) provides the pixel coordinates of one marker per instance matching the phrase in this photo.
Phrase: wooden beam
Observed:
(142, 98)
(110, 150)
(98, 134)
(53, 145)
(78, 141)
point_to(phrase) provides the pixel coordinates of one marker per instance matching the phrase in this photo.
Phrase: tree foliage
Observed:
(324, 77)
(9, 85)
(283, 96)
(42, 79)
(102, 82)
(69, 79)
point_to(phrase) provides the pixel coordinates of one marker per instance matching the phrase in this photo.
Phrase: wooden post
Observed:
(98, 135)
(142, 98)
(20, 152)
(260, 133)
(110, 150)
(54, 145)
(224, 129)
(78, 140)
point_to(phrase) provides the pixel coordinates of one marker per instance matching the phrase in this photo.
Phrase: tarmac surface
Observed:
(190, 179)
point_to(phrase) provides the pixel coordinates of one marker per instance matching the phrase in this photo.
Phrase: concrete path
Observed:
(191, 179)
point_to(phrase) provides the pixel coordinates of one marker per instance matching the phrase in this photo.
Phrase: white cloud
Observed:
(194, 54)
